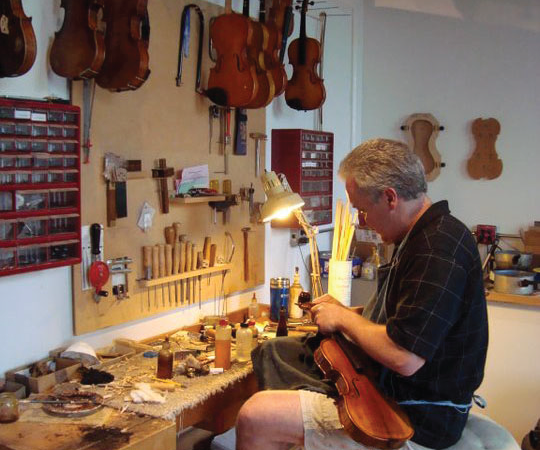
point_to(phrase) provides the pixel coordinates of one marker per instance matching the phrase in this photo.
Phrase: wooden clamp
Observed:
(161, 173)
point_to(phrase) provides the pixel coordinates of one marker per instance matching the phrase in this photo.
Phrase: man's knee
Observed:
(249, 414)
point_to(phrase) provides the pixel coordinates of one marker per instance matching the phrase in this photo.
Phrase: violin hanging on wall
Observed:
(256, 51)
(126, 45)
(233, 80)
(17, 39)
(78, 49)
(271, 53)
(305, 90)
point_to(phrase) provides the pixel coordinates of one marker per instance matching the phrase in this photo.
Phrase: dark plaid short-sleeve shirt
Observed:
(436, 308)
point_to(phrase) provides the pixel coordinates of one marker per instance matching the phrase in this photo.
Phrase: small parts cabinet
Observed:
(306, 158)
(40, 213)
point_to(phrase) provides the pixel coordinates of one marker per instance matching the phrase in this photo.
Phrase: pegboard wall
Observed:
(161, 120)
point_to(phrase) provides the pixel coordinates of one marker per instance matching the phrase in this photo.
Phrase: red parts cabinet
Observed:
(40, 213)
(306, 158)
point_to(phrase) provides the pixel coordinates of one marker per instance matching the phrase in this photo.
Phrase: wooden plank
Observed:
(189, 200)
(160, 120)
(184, 275)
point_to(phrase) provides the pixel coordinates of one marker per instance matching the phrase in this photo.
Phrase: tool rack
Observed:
(40, 215)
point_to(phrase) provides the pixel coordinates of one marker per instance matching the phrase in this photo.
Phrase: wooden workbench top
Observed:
(121, 431)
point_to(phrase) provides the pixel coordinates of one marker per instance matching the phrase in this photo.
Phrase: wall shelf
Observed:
(530, 300)
(189, 200)
(185, 275)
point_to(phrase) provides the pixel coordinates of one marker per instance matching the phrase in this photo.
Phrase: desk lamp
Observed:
(280, 202)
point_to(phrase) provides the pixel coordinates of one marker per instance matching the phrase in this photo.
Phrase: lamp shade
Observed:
(280, 201)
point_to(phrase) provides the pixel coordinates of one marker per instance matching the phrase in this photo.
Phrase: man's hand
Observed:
(327, 298)
(329, 315)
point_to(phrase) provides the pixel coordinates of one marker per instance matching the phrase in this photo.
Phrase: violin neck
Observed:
(302, 38)
(262, 11)
(228, 6)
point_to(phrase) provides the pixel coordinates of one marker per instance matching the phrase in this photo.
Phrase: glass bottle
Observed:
(165, 361)
(254, 334)
(244, 339)
(9, 407)
(294, 310)
(369, 267)
(253, 309)
(223, 345)
(282, 324)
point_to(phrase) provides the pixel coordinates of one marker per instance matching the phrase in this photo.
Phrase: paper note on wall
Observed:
(193, 177)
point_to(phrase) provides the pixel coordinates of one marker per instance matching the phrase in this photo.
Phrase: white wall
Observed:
(484, 64)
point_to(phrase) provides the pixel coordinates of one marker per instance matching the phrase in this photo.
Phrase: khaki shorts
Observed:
(322, 428)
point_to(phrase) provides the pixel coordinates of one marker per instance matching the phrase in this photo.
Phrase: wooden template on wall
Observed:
(160, 120)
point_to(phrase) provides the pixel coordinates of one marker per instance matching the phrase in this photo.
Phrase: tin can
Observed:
(279, 296)
(324, 263)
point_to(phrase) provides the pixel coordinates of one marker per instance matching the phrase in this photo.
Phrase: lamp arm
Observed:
(311, 233)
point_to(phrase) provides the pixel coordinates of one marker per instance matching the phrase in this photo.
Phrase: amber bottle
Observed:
(282, 324)
(165, 361)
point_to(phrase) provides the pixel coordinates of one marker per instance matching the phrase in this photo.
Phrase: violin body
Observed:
(367, 416)
(126, 45)
(17, 40)
(271, 54)
(233, 80)
(305, 90)
(256, 50)
(78, 49)
(484, 162)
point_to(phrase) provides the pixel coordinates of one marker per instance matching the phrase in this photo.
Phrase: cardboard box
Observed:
(112, 354)
(11, 386)
(64, 370)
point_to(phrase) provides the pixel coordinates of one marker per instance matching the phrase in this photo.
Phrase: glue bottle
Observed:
(223, 345)
(254, 333)
(165, 361)
(295, 311)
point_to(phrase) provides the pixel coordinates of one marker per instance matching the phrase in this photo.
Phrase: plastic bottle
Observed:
(223, 345)
(253, 309)
(254, 334)
(369, 268)
(244, 339)
(282, 324)
(294, 310)
(165, 361)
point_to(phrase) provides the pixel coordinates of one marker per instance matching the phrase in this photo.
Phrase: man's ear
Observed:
(390, 197)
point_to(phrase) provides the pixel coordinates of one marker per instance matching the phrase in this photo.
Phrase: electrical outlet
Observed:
(486, 234)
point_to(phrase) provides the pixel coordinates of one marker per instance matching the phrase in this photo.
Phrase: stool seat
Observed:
(482, 433)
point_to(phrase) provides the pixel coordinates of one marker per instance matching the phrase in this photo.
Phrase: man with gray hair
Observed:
(426, 326)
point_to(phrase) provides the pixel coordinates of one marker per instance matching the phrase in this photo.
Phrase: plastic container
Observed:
(294, 310)
(279, 296)
(253, 309)
(223, 345)
(244, 343)
(165, 361)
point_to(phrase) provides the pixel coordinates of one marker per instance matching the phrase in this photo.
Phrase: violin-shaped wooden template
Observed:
(422, 131)
(305, 90)
(367, 416)
(484, 162)
(17, 40)
(78, 49)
